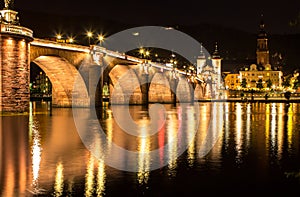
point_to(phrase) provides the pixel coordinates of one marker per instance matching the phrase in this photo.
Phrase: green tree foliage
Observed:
(259, 84)
(286, 81)
(287, 95)
(269, 83)
(244, 83)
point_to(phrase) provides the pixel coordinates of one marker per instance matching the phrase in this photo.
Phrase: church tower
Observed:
(201, 60)
(216, 63)
(262, 50)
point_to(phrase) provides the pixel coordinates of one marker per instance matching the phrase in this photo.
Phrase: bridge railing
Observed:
(56, 45)
(14, 29)
(145, 62)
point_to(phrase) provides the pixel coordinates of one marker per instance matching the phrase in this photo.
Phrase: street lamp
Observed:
(58, 36)
(142, 51)
(89, 35)
(71, 40)
(147, 53)
(101, 39)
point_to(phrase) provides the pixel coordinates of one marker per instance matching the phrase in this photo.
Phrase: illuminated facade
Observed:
(265, 75)
(210, 71)
(259, 75)
(232, 80)
(14, 62)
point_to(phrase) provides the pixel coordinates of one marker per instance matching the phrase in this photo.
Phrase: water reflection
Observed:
(44, 154)
(35, 149)
(59, 179)
(101, 179)
(89, 177)
(14, 157)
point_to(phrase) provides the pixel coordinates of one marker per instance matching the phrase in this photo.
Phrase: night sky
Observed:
(242, 15)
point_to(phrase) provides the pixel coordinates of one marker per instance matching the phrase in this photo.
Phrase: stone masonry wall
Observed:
(14, 66)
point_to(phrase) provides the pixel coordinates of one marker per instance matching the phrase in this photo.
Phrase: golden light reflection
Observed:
(36, 155)
(227, 123)
(101, 179)
(172, 134)
(89, 177)
(280, 129)
(248, 125)
(267, 124)
(109, 131)
(59, 180)
(216, 130)
(239, 125)
(190, 137)
(202, 135)
(290, 126)
(273, 125)
(36, 149)
(143, 157)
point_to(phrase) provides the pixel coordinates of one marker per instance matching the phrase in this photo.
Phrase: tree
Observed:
(286, 81)
(259, 84)
(244, 83)
(269, 83)
(296, 81)
(287, 95)
(296, 84)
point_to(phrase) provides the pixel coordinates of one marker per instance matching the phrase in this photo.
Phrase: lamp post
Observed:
(89, 35)
(101, 39)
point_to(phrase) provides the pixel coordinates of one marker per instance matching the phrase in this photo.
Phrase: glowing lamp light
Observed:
(59, 36)
(141, 51)
(89, 34)
(100, 37)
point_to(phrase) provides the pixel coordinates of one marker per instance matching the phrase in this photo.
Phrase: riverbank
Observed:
(269, 100)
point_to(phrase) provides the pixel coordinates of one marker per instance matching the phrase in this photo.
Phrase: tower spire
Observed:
(201, 55)
(262, 50)
(216, 53)
(262, 32)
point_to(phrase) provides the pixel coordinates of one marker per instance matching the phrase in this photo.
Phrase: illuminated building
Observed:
(259, 75)
(210, 71)
(232, 81)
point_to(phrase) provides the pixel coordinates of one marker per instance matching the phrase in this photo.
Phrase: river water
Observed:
(200, 149)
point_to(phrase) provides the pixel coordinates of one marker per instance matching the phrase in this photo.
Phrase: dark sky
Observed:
(243, 15)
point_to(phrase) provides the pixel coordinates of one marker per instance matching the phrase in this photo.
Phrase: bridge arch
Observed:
(199, 91)
(62, 75)
(125, 86)
(183, 90)
(159, 90)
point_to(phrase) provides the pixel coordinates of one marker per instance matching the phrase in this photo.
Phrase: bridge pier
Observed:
(145, 88)
(95, 86)
(173, 86)
(14, 64)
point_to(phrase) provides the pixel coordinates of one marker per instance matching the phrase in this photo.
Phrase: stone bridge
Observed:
(78, 73)
(131, 80)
